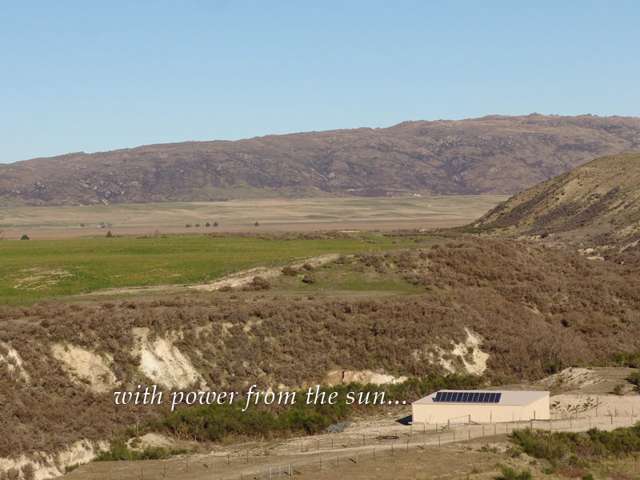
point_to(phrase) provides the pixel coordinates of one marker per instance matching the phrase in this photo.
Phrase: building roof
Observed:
(507, 397)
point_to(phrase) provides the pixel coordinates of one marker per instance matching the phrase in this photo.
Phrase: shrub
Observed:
(109, 234)
(259, 283)
(289, 271)
(627, 359)
(119, 451)
(634, 379)
(572, 448)
(509, 473)
(11, 474)
(28, 472)
(24, 237)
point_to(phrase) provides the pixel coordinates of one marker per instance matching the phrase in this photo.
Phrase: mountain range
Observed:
(489, 155)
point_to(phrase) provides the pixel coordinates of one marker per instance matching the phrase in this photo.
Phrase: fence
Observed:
(332, 450)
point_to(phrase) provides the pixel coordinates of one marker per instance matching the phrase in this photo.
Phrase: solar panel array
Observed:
(468, 397)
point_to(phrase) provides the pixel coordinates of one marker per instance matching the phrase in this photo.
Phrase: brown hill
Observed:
(532, 310)
(487, 155)
(597, 204)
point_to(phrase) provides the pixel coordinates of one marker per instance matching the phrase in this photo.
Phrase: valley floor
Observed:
(240, 216)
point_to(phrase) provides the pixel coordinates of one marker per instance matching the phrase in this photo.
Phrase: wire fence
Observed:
(333, 450)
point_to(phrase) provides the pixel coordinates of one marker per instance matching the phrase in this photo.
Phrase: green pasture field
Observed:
(40, 269)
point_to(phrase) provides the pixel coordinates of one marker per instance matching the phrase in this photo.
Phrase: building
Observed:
(477, 406)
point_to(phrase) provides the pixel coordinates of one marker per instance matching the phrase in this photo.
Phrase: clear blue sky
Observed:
(102, 75)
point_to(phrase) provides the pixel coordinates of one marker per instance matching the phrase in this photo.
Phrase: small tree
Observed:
(109, 234)
(207, 224)
(215, 224)
(257, 224)
(24, 237)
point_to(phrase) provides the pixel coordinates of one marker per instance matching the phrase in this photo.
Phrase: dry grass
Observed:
(276, 215)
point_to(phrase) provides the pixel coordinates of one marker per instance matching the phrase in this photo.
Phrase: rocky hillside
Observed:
(597, 205)
(486, 155)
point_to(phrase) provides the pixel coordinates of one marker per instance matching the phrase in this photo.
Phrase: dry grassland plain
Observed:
(277, 215)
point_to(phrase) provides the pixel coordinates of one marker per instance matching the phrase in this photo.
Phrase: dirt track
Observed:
(234, 280)
(367, 441)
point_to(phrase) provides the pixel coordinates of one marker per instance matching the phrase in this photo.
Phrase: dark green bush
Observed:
(634, 379)
(576, 448)
(509, 473)
(627, 359)
(119, 451)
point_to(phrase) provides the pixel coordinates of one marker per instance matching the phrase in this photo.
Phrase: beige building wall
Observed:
(480, 413)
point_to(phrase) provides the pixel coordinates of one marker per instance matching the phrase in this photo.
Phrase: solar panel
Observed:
(467, 397)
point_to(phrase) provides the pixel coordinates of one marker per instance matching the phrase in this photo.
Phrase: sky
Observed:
(94, 76)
